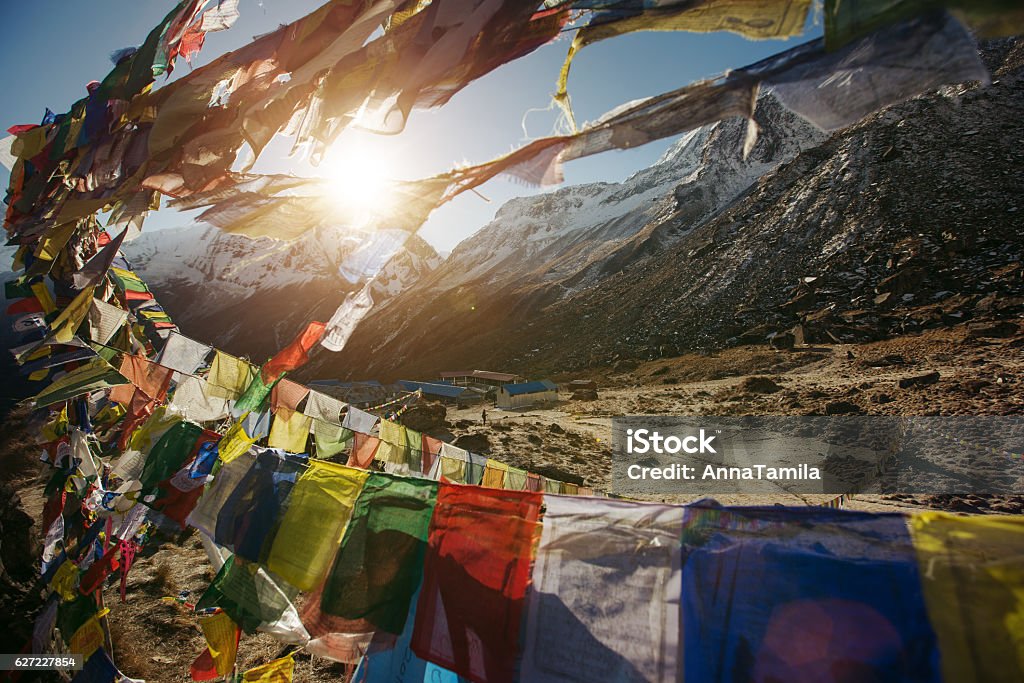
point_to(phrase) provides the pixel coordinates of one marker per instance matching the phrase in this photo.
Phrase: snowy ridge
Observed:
(563, 231)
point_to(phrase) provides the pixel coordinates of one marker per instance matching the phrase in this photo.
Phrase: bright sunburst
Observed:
(359, 179)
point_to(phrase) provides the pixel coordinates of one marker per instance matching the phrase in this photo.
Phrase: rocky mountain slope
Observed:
(251, 297)
(908, 220)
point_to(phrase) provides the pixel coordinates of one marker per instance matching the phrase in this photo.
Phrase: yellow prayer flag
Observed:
(65, 581)
(64, 326)
(55, 428)
(972, 573)
(222, 640)
(494, 474)
(291, 432)
(145, 437)
(52, 242)
(89, 636)
(43, 296)
(229, 376)
(234, 443)
(453, 470)
(754, 19)
(277, 671)
(311, 531)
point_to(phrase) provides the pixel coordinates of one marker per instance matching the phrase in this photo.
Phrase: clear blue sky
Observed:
(52, 48)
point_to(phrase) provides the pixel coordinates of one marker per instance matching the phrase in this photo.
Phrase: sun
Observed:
(358, 179)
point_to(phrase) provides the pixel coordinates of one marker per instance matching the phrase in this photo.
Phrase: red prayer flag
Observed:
(139, 410)
(203, 668)
(475, 576)
(22, 128)
(92, 579)
(295, 355)
(431, 449)
(29, 304)
(364, 447)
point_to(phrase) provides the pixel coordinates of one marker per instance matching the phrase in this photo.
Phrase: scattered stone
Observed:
(555, 428)
(758, 385)
(425, 417)
(882, 399)
(974, 386)
(476, 443)
(918, 381)
(842, 408)
(625, 365)
(1000, 330)
(782, 341)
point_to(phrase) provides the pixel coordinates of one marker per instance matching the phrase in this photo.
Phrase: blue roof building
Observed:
(526, 394)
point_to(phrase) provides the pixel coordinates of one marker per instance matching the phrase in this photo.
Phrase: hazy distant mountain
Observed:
(251, 296)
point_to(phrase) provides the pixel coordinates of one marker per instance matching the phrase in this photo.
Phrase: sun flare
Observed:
(359, 179)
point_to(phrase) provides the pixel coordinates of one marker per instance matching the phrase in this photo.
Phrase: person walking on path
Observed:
(483, 415)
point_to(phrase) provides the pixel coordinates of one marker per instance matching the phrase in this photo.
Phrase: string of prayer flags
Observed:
(379, 567)
(310, 532)
(476, 571)
(604, 601)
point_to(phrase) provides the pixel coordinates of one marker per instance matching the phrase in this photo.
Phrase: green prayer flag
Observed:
(254, 396)
(96, 374)
(18, 288)
(249, 597)
(378, 569)
(71, 615)
(330, 439)
(168, 455)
